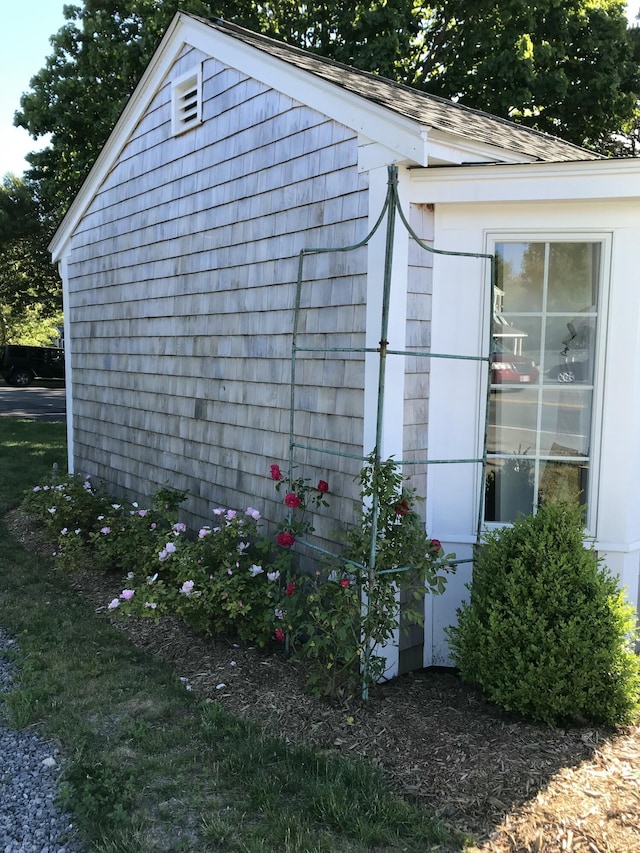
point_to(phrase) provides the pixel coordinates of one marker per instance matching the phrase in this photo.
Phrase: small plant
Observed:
(73, 504)
(547, 632)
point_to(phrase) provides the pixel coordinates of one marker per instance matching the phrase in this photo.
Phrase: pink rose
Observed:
(292, 500)
(323, 486)
(276, 474)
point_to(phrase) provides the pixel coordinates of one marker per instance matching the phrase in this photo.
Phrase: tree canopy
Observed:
(30, 294)
(563, 67)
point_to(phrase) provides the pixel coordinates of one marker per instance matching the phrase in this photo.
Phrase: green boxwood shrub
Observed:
(547, 632)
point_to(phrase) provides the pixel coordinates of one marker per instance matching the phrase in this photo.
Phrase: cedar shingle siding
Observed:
(181, 291)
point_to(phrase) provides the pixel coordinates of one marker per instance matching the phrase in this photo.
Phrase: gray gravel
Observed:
(29, 771)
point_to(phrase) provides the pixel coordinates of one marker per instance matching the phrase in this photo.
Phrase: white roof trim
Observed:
(570, 180)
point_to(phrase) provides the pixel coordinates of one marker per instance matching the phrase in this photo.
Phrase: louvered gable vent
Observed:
(186, 102)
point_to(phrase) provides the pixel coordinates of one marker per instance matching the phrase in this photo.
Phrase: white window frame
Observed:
(186, 101)
(494, 236)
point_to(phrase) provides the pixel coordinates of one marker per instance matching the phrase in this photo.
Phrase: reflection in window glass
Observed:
(542, 373)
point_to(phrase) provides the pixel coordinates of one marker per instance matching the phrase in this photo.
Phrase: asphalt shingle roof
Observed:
(431, 111)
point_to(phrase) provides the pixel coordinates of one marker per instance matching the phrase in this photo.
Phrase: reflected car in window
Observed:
(507, 368)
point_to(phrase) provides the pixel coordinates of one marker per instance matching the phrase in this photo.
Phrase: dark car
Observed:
(20, 365)
(512, 369)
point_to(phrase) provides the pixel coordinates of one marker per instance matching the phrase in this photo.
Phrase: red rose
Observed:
(290, 588)
(402, 508)
(436, 545)
(279, 635)
(344, 582)
(285, 539)
(323, 486)
(276, 473)
(292, 500)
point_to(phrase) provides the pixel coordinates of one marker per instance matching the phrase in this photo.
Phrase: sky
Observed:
(24, 47)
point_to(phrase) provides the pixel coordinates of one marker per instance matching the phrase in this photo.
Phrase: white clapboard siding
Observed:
(181, 292)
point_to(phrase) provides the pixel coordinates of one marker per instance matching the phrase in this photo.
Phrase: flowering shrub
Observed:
(338, 618)
(228, 579)
(74, 504)
(299, 496)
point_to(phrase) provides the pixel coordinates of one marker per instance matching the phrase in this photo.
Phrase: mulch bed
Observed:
(515, 786)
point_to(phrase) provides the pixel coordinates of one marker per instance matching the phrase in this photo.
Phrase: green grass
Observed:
(150, 768)
(28, 451)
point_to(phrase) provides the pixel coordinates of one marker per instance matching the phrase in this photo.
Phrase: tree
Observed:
(564, 68)
(30, 289)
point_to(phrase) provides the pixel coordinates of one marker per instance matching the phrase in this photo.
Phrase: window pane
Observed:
(566, 422)
(513, 417)
(573, 277)
(569, 349)
(521, 336)
(563, 481)
(520, 277)
(509, 489)
(542, 374)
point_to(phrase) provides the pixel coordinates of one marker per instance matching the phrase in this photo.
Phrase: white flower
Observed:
(150, 604)
(152, 578)
(116, 506)
(242, 546)
(114, 603)
(256, 570)
(273, 576)
(52, 510)
(187, 587)
(130, 575)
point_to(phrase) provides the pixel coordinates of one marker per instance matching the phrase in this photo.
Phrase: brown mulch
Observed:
(515, 786)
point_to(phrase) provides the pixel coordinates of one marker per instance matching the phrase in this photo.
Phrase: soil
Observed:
(515, 786)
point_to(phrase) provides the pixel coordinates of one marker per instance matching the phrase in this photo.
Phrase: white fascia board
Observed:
(140, 99)
(455, 149)
(570, 181)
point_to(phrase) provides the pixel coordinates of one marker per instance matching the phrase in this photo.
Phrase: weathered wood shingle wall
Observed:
(182, 278)
(418, 339)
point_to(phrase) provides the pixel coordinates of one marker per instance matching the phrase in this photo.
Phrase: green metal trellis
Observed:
(391, 208)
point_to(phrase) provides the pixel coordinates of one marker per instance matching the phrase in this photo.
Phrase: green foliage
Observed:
(71, 504)
(341, 617)
(547, 632)
(30, 288)
(565, 68)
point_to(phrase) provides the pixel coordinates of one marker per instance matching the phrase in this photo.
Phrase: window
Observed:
(186, 102)
(545, 321)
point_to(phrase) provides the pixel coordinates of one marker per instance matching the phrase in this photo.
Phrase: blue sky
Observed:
(24, 46)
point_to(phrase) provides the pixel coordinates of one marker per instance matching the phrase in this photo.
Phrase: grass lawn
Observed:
(149, 767)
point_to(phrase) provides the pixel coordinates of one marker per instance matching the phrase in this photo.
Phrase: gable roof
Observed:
(431, 111)
(408, 125)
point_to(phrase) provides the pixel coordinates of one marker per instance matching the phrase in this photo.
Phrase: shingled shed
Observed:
(179, 259)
